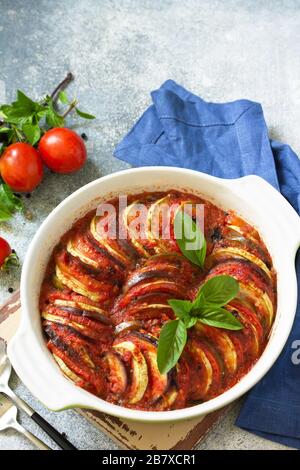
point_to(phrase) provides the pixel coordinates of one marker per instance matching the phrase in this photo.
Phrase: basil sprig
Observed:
(190, 238)
(207, 308)
(9, 203)
(26, 120)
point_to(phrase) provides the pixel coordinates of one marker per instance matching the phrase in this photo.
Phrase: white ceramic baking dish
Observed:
(250, 196)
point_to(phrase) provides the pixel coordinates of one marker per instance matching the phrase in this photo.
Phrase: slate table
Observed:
(119, 51)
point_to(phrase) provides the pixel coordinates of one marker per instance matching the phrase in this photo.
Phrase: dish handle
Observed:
(267, 200)
(52, 389)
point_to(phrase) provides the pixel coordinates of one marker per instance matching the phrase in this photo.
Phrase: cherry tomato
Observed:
(5, 251)
(62, 150)
(21, 167)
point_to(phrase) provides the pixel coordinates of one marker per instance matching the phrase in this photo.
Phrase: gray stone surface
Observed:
(119, 51)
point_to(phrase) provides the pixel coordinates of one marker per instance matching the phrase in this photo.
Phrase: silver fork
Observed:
(8, 419)
(5, 371)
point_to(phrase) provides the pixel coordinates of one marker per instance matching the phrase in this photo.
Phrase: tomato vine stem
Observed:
(62, 85)
(73, 104)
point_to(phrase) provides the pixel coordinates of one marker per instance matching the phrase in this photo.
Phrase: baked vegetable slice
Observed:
(73, 275)
(157, 383)
(138, 366)
(224, 344)
(117, 375)
(80, 246)
(75, 356)
(110, 246)
(155, 286)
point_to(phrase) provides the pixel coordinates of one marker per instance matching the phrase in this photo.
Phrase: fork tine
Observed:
(8, 412)
(8, 419)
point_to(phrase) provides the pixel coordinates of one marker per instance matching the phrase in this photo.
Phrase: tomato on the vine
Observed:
(21, 167)
(8, 257)
(62, 150)
(5, 251)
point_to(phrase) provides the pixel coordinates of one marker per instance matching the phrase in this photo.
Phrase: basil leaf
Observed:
(4, 130)
(84, 115)
(11, 261)
(190, 238)
(41, 114)
(23, 107)
(172, 340)
(12, 115)
(21, 110)
(24, 103)
(221, 318)
(181, 308)
(29, 103)
(199, 303)
(9, 203)
(4, 214)
(191, 321)
(218, 291)
(32, 132)
(62, 96)
(52, 118)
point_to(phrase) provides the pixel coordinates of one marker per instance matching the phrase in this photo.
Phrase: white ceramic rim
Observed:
(59, 393)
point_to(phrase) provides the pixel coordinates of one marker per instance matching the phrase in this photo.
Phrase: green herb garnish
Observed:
(11, 261)
(190, 238)
(9, 203)
(26, 120)
(206, 308)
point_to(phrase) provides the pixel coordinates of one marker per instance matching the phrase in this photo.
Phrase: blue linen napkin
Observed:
(228, 140)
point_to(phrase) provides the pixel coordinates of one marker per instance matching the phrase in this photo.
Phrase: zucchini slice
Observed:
(66, 370)
(233, 252)
(135, 242)
(202, 371)
(223, 343)
(74, 251)
(77, 286)
(158, 382)
(111, 246)
(139, 372)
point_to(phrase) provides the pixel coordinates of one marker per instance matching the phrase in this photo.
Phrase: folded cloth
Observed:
(229, 140)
